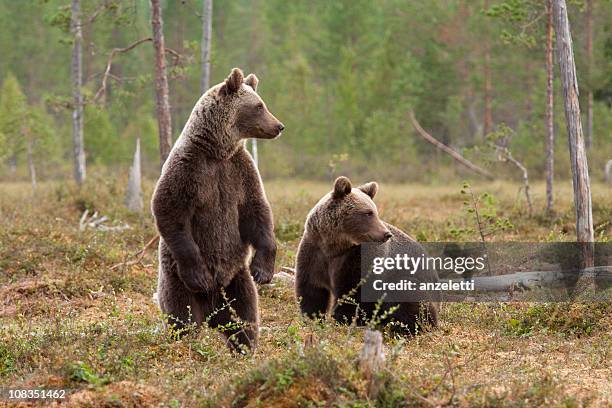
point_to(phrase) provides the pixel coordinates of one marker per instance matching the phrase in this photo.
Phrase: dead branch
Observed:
(608, 171)
(138, 254)
(504, 154)
(288, 270)
(448, 150)
(176, 57)
(97, 222)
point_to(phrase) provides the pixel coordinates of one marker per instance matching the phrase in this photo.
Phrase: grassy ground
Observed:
(70, 321)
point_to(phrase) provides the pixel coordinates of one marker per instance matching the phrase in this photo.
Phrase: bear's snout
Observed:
(387, 236)
(280, 127)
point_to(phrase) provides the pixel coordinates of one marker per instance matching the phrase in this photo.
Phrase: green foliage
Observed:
(101, 140)
(13, 115)
(571, 319)
(341, 75)
(81, 372)
(483, 209)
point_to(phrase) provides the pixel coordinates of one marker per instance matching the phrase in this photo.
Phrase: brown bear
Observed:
(211, 211)
(328, 269)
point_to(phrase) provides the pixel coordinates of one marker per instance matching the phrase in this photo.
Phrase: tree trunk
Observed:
(589, 49)
(164, 120)
(608, 171)
(31, 167)
(77, 96)
(580, 169)
(550, 130)
(206, 40)
(488, 86)
(133, 198)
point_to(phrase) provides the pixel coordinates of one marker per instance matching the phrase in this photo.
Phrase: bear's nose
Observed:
(388, 236)
(281, 127)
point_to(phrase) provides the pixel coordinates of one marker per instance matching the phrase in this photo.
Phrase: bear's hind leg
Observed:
(179, 305)
(236, 314)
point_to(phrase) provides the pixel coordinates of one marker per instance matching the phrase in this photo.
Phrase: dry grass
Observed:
(68, 320)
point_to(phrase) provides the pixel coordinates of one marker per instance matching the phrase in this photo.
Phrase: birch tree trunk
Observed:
(488, 86)
(206, 41)
(580, 170)
(77, 96)
(31, 167)
(550, 130)
(589, 49)
(164, 119)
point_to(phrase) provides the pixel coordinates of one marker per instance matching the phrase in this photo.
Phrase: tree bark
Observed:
(550, 130)
(31, 166)
(580, 169)
(589, 49)
(164, 119)
(608, 171)
(455, 155)
(206, 40)
(77, 95)
(488, 86)
(372, 360)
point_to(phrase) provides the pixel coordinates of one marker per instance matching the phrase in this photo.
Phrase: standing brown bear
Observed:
(328, 269)
(210, 209)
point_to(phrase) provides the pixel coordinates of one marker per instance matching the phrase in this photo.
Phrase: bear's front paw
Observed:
(196, 280)
(261, 274)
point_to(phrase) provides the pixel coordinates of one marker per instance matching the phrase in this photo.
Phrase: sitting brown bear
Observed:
(211, 210)
(329, 260)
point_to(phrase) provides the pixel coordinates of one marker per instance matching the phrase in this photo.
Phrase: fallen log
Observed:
(534, 279)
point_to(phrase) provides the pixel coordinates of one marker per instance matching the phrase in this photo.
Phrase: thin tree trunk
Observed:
(12, 164)
(206, 40)
(589, 49)
(550, 130)
(77, 96)
(164, 119)
(31, 167)
(608, 171)
(488, 86)
(578, 157)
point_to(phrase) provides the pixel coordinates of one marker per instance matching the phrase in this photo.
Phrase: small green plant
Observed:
(81, 372)
(7, 361)
(483, 209)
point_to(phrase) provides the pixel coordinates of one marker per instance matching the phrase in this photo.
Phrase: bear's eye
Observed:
(369, 213)
(259, 106)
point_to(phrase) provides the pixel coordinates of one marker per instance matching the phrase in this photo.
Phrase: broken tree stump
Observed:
(133, 198)
(372, 359)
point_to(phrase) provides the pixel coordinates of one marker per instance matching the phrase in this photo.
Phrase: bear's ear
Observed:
(370, 188)
(252, 81)
(233, 81)
(342, 187)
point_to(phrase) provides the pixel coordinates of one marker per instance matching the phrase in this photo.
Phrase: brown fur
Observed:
(210, 210)
(329, 257)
